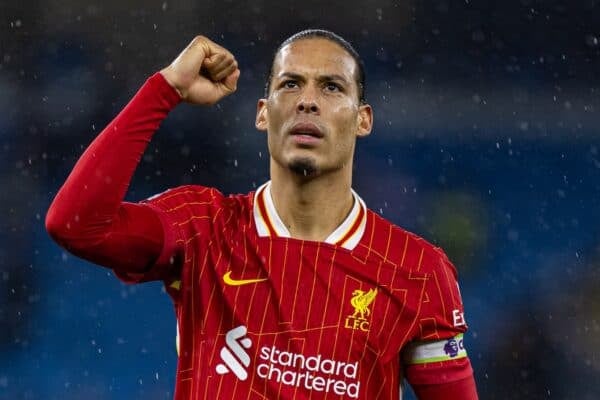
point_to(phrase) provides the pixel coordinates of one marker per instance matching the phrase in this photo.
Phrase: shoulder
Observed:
(184, 194)
(402, 248)
(196, 203)
(198, 195)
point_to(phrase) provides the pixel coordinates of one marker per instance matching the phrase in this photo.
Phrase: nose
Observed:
(308, 107)
(307, 103)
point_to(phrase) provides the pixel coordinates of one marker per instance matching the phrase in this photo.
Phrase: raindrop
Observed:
(523, 125)
(591, 40)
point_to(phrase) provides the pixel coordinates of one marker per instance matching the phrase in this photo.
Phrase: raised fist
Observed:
(203, 73)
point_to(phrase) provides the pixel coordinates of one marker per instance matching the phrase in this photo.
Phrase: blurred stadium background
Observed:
(486, 142)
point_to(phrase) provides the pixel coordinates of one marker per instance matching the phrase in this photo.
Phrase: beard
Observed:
(303, 166)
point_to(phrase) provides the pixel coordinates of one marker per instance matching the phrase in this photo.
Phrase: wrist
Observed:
(166, 75)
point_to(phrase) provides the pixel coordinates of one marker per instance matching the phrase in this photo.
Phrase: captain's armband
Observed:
(435, 351)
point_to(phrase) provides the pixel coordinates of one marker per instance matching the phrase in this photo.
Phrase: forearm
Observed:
(88, 208)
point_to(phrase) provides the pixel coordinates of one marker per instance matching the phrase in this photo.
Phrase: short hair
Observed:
(333, 37)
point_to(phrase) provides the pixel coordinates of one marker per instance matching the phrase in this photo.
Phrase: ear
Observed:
(261, 122)
(365, 120)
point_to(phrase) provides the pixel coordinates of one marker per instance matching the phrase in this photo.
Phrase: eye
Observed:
(332, 87)
(289, 84)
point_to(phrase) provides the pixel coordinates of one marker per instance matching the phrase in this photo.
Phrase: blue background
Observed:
(486, 143)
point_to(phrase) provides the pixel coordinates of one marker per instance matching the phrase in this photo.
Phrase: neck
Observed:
(312, 208)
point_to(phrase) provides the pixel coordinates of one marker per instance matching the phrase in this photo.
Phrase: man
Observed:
(296, 290)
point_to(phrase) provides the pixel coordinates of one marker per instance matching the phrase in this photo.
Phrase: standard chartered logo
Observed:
(313, 373)
(235, 358)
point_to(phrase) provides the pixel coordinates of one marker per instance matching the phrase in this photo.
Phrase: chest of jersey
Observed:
(294, 316)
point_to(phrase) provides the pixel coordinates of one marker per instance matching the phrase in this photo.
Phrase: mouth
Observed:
(307, 129)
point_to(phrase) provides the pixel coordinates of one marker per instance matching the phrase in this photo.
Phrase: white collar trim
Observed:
(268, 222)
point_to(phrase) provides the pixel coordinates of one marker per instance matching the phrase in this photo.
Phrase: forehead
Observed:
(315, 55)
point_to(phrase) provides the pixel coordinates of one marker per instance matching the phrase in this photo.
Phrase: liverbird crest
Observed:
(360, 301)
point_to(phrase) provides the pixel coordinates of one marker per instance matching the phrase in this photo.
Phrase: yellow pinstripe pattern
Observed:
(451, 285)
(326, 309)
(384, 258)
(441, 296)
(386, 313)
(299, 271)
(265, 311)
(188, 204)
(312, 289)
(281, 289)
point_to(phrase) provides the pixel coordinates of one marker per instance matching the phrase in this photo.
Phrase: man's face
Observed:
(313, 115)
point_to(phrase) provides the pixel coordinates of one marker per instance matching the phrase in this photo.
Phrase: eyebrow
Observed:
(320, 78)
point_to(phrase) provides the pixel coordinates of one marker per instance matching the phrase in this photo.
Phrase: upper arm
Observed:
(443, 380)
(441, 315)
(131, 240)
(436, 361)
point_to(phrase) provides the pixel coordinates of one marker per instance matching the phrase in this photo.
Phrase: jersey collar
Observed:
(268, 222)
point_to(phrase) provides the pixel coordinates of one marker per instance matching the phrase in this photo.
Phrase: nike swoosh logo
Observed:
(239, 282)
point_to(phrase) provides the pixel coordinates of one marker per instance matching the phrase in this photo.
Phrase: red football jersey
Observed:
(262, 315)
